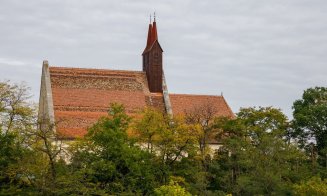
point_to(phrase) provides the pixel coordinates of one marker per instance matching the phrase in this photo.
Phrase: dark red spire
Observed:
(149, 40)
(154, 35)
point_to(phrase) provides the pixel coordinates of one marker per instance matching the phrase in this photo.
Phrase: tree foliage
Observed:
(256, 141)
(314, 186)
(108, 159)
(16, 114)
(202, 118)
(169, 140)
(310, 121)
(16, 118)
(172, 189)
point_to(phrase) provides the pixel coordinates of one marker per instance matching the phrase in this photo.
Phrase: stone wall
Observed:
(46, 112)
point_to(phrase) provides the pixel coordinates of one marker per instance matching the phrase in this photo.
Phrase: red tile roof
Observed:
(182, 103)
(96, 100)
(82, 96)
(74, 124)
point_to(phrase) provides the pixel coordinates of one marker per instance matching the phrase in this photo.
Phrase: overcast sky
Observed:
(258, 53)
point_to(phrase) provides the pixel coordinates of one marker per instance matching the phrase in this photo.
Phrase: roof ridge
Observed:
(92, 69)
(203, 95)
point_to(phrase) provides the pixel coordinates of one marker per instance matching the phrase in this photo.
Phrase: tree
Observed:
(202, 117)
(172, 189)
(110, 161)
(256, 157)
(10, 154)
(310, 121)
(149, 126)
(47, 144)
(16, 118)
(170, 140)
(16, 114)
(314, 186)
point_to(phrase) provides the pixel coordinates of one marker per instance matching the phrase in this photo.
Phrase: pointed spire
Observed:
(149, 40)
(154, 29)
(152, 33)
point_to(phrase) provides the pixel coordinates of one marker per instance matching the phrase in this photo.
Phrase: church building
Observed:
(75, 98)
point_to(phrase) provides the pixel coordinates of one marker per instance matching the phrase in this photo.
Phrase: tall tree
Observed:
(256, 157)
(45, 142)
(310, 121)
(202, 117)
(169, 139)
(17, 117)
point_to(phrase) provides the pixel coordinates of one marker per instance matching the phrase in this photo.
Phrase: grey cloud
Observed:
(256, 52)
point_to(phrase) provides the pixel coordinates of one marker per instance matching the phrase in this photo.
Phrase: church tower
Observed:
(152, 59)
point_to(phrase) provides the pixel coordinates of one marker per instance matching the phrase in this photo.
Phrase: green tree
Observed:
(47, 149)
(170, 140)
(16, 113)
(314, 186)
(310, 121)
(149, 127)
(256, 157)
(110, 161)
(172, 189)
(201, 118)
(17, 117)
(10, 154)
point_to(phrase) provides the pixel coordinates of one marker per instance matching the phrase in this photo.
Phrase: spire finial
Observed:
(154, 16)
(150, 19)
